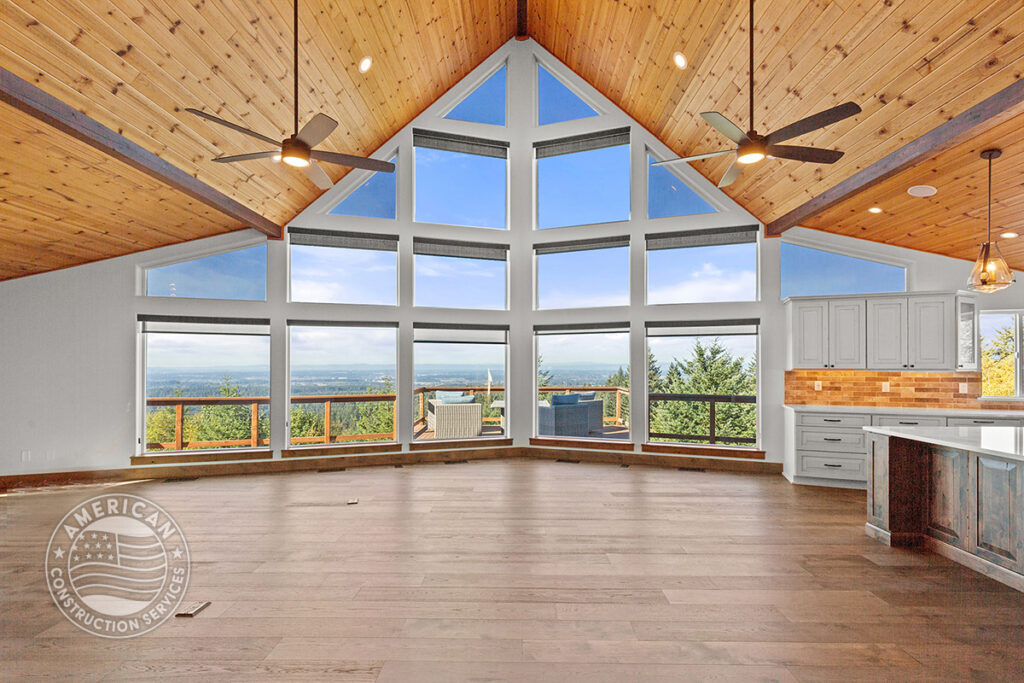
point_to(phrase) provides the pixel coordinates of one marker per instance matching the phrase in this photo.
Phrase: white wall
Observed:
(69, 345)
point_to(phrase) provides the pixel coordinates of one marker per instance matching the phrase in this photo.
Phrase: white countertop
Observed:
(1006, 442)
(885, 410)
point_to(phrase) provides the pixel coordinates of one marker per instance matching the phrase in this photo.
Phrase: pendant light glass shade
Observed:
(990, 272)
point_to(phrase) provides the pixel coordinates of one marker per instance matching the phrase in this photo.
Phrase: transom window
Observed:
(583, 179)
(583, 273)
(460, 180)
(336, 267)
(700, 266)
(452, 274)
(238, 275)
(816, 272)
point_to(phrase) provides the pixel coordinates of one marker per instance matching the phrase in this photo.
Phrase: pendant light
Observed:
(990, 273)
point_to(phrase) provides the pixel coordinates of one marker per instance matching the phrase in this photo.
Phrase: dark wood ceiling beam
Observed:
(522, 19)
(26, 97)
(988, 113)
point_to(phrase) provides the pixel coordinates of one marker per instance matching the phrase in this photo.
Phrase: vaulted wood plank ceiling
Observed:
(63, 203)
(133, 65)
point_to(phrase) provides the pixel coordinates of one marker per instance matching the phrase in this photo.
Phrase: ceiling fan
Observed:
(752, 147)
(297, 150)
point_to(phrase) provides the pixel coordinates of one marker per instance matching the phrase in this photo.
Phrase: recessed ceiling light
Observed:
(365, 63)
(1008, 235)
(921, 191)
(875, 209)
(679, 59)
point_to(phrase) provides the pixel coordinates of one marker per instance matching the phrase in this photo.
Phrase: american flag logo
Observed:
(102, 564)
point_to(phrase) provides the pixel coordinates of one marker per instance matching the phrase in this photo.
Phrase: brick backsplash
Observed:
(906, 389)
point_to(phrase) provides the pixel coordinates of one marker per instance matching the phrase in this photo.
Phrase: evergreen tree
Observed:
(997, 363)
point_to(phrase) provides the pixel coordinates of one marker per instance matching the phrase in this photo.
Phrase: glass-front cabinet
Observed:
(966, 333)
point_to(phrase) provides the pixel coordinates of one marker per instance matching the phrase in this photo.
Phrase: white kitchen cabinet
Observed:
(809, 334)
(935, 331)
(931, 332)
(846, 334)
(887, 333)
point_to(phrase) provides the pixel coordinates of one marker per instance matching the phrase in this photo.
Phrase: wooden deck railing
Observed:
(712, 400)
(253, 440)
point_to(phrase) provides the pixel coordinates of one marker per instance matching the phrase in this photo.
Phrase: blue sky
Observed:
(813, 272)
(583, 188)
(238, 274)
(486, 104)
(701, 274)
(343, 346)
(556, 102)
(573, 350)
(207, 351)
(352, 276)
(460, 189)
(433, 354)
(579, 279)
(459, 282)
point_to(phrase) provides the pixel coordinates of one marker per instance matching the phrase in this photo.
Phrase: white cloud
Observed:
(708, 284)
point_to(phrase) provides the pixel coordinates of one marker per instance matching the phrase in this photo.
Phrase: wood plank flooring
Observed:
(522, 570)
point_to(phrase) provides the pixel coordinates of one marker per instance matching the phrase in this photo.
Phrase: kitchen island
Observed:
(958, 491)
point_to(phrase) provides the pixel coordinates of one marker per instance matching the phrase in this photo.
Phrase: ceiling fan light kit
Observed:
(752, 148)
(990, 272)
(297, 151)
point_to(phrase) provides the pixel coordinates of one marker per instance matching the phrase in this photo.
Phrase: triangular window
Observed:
(375, 198)
(486, 104)
(556, 102)
(668, 195)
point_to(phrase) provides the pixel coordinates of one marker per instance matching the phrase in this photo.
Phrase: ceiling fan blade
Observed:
(319, 176)
(353, 161)
(724, 126)
(812, 154)
(731, 175)
(814, 122)
(232, 126)
(695, 157)
(247, 157)
(317, 129)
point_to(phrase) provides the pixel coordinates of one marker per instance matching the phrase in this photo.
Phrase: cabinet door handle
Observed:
(829, 464)
(908, 422)
(830, 419)
(830, 439)
(984, 422)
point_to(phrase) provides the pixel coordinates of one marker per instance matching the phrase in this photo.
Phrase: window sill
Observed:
(172, 457)
(314, 450)
(1001, 399)
(592, 444)
(705, 450)
(478, 442)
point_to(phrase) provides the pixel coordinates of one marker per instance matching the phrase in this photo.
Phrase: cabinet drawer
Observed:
(908, 421)
(832, 420)
(831, 466)
(824, 439)
(984, 422)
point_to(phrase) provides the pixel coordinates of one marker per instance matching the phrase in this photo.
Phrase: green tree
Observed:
(709, 369)
(998, 363)
(160, 421)
(377, 417)
(227, 422)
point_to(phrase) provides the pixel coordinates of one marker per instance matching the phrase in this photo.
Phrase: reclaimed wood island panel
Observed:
(958, 491)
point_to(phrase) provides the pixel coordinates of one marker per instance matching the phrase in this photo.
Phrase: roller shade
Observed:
(480, 250)
(310, 237)
(580, 245)
(702, 238)
(180, 324)
(449, 142)
(340, 323)
(449, 333)
(582, 143)
(703, 328)
(580, 328)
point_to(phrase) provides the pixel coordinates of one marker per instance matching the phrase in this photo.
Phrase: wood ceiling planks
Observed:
(64, 203)
(133, 65)
(910, 64)
(952, 222)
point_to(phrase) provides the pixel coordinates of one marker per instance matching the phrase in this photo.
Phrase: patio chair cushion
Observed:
(458, 399)
(564, 399)
(443, 396)
(587, 395)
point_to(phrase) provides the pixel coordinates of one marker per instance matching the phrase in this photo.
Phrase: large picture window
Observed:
(453, 274)
(341, 381)
(583, 179)
(583, 381)
(207, 383)
(700, 266)
(335, 267)
(1001, 355)
(460, 180)
(702, 382)
(583, 273)
(239, 275)
(459, 381)
(816, 272)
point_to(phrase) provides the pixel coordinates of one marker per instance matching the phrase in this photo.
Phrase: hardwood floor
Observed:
(522, 570)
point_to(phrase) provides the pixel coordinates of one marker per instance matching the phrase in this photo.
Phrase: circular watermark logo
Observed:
(117, 565)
